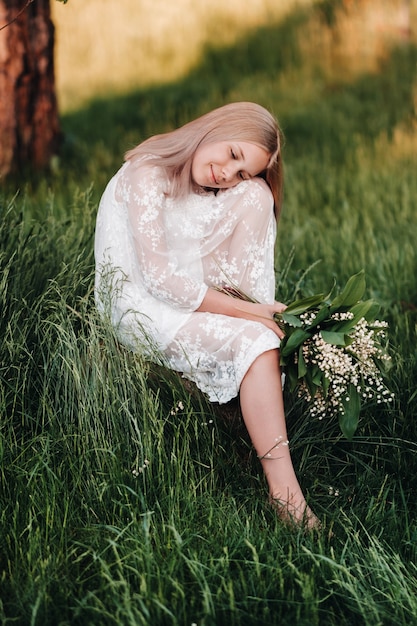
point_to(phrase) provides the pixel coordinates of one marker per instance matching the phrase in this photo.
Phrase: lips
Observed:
(213, 178)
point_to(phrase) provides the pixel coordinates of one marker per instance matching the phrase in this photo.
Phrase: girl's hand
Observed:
(267, 312)
(279, 307)
(263, 313)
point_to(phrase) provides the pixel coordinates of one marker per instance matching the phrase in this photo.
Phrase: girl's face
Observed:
(224, 164)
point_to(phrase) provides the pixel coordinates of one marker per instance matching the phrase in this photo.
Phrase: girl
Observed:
(189, 211)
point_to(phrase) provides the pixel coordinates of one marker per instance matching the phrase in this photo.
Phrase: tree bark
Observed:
(29, 124)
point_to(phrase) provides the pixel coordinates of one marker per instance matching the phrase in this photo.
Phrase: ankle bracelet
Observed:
(280, 441)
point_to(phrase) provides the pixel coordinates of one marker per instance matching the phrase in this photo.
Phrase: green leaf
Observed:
(302, 367)
(301, 306)
(329, 295)
(373, 312)
(313, 379)
(368, 309)
(317, 377)
(336, 339)
(344, 327)
(322, 314)
(325, 385)
(360, 309)
(291, 342)
(292, 320)
(352, 293)
(291, 379)
(349, 420)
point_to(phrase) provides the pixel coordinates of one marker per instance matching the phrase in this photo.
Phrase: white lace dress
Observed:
(157, 256)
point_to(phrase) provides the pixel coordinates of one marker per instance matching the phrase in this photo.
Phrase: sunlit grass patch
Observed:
(118, 47)
(127, 45)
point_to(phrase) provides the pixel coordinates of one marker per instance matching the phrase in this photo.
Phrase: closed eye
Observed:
(234, 156)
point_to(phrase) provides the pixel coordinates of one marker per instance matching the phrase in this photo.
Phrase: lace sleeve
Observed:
(253, 242)
(143, 190)
(246, 256)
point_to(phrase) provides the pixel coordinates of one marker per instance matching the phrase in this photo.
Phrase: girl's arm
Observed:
(143, 191)
(217, 302)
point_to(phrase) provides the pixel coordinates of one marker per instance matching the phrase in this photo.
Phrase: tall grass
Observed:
(125, 497)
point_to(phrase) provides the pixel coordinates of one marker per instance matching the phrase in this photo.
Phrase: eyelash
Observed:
(234, 157)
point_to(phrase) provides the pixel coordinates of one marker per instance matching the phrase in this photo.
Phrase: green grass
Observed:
(125, 497)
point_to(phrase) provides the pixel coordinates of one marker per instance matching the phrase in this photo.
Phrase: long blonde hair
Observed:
(238, 121)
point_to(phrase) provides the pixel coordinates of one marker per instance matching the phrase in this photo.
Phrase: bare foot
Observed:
(296, 514)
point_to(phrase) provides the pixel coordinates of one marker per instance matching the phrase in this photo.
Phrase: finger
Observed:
(279, 332)
(279, 307)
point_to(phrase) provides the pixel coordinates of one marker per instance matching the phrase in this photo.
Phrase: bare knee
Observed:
(265, 365)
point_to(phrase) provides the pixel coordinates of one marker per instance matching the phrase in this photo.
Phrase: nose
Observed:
(229, 173)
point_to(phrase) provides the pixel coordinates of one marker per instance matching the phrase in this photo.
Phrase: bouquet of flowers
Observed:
(333, 353)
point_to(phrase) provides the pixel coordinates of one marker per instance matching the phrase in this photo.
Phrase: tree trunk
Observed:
(29, 125)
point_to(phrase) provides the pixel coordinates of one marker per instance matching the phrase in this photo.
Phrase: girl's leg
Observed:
(262, 407)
